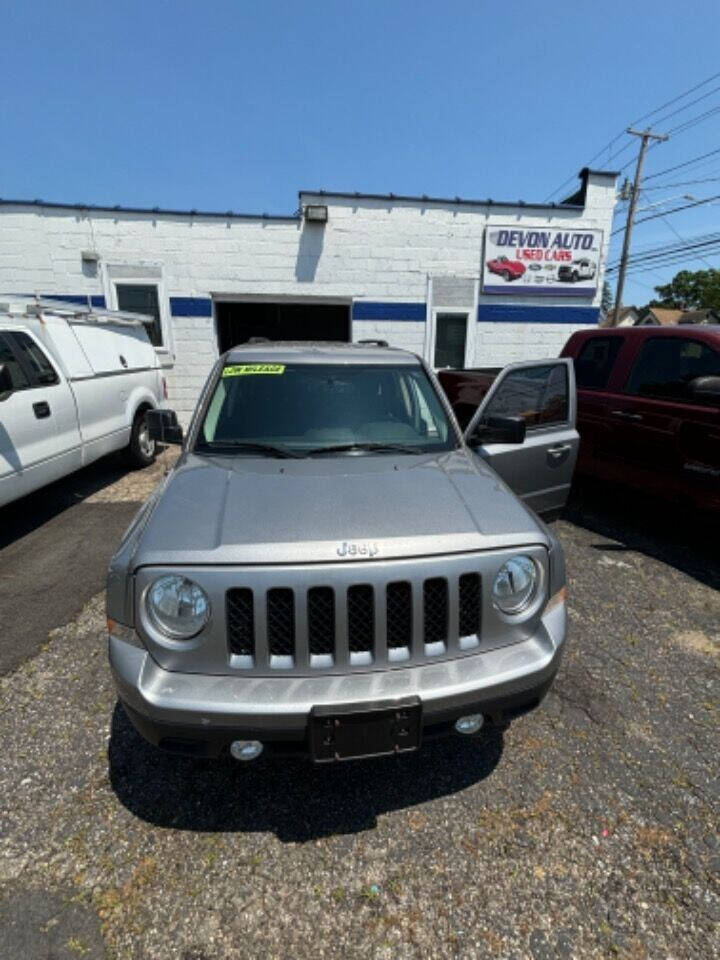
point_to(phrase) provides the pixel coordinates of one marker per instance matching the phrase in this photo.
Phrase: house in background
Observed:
(627, 317)
(666, 317)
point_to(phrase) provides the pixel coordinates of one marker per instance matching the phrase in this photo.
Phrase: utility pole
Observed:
(645, 137)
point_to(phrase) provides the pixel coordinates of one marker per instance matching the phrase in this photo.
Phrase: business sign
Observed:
(537, 261)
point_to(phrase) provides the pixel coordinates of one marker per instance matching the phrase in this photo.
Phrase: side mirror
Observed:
(705, 389)
(499, 430)
(163, 426)
(6, 387)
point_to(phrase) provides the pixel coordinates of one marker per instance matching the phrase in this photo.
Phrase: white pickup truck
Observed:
(75, 384)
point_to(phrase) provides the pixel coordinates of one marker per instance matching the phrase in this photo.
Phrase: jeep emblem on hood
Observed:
(357, 549)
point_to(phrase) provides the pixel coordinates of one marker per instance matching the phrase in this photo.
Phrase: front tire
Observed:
(140, 452)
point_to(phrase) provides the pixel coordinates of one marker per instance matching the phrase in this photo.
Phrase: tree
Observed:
(606, 301)
(690, 290)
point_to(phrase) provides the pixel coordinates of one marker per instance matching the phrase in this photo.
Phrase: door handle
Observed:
(624, 415)
(559, 450)
(41, 409)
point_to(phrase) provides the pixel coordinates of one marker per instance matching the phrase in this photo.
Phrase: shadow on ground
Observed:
(292, 798)
(21, 517)
(635, 523)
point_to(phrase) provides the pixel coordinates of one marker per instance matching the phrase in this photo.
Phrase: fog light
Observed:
(470, 724)
(246, 749)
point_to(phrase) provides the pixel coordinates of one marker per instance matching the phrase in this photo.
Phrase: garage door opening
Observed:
(238, 322)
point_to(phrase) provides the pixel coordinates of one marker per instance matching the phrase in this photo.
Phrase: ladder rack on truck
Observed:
(73, 313)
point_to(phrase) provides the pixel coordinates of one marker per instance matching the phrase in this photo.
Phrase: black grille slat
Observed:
(435, 603)
(361, 618)
(399, 614)
(281, 622)
(321, 620)
(470, 604)
(240, 621)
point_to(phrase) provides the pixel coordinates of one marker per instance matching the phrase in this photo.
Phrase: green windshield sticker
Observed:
(249, 369)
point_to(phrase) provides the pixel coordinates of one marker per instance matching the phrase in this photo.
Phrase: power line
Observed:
(675, 100)
(670, 253)
(687, 163)
(666, 249)
(680, 183)
(687, 105)
(666, 213)
(678, 261)
(669, 247)
(693, 121)
(681, 238)
(646, 116)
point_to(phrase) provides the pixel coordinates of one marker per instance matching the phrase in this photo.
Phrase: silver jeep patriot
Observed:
(334, 568)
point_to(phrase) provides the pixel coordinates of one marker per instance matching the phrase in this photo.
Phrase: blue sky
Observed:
(232, 105)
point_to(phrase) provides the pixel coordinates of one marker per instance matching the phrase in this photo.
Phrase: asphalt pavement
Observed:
(54, 549)
(589, 829)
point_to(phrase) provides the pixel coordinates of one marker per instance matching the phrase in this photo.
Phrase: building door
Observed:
(237, 322)
(450, 339)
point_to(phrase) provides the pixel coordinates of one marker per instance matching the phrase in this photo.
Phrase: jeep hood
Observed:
(230, 510)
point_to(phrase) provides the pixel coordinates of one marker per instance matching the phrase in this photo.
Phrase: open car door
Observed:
(542, 393)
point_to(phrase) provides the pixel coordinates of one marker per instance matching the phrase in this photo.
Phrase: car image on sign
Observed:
(582, 269)
(509, 270)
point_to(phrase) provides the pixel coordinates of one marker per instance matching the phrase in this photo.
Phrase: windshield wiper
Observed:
(268, 448)
(379, 447)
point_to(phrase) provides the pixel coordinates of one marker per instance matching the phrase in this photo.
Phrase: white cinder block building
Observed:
(462, 282)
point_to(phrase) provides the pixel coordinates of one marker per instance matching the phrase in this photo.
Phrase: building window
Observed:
(142, 298)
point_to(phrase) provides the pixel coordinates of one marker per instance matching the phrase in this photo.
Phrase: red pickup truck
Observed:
(648, 408)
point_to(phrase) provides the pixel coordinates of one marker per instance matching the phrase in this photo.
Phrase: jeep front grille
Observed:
(240, 621)
(353, 625)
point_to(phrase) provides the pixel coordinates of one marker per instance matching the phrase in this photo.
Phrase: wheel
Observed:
(140, 452)
(574, 276)
(507, 275)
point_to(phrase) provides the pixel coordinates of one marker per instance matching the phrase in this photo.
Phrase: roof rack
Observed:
(376, 343)
(76, 313)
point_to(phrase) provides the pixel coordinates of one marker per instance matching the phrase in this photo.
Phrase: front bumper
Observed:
(201, 714)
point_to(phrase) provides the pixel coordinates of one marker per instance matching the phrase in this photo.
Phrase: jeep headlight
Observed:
(516, 585)
(177, 607)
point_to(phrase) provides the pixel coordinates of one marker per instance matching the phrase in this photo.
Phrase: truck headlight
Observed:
(515, 586)
(177, 607)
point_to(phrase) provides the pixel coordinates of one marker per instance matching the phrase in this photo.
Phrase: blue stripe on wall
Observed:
(191, 306)
(377, 310)
(374, 310)
(80, 299)
(506, 313)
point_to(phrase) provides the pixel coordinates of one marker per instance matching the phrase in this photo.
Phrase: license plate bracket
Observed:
(356, 731)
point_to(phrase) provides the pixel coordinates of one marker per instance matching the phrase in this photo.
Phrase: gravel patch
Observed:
(589, 829)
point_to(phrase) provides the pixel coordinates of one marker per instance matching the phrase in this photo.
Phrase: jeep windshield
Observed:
(307, 409)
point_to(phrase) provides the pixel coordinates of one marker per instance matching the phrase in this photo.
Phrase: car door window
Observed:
(12, 375)
(666, 365)
(34, 359)
(595, 362)
(539, 394)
